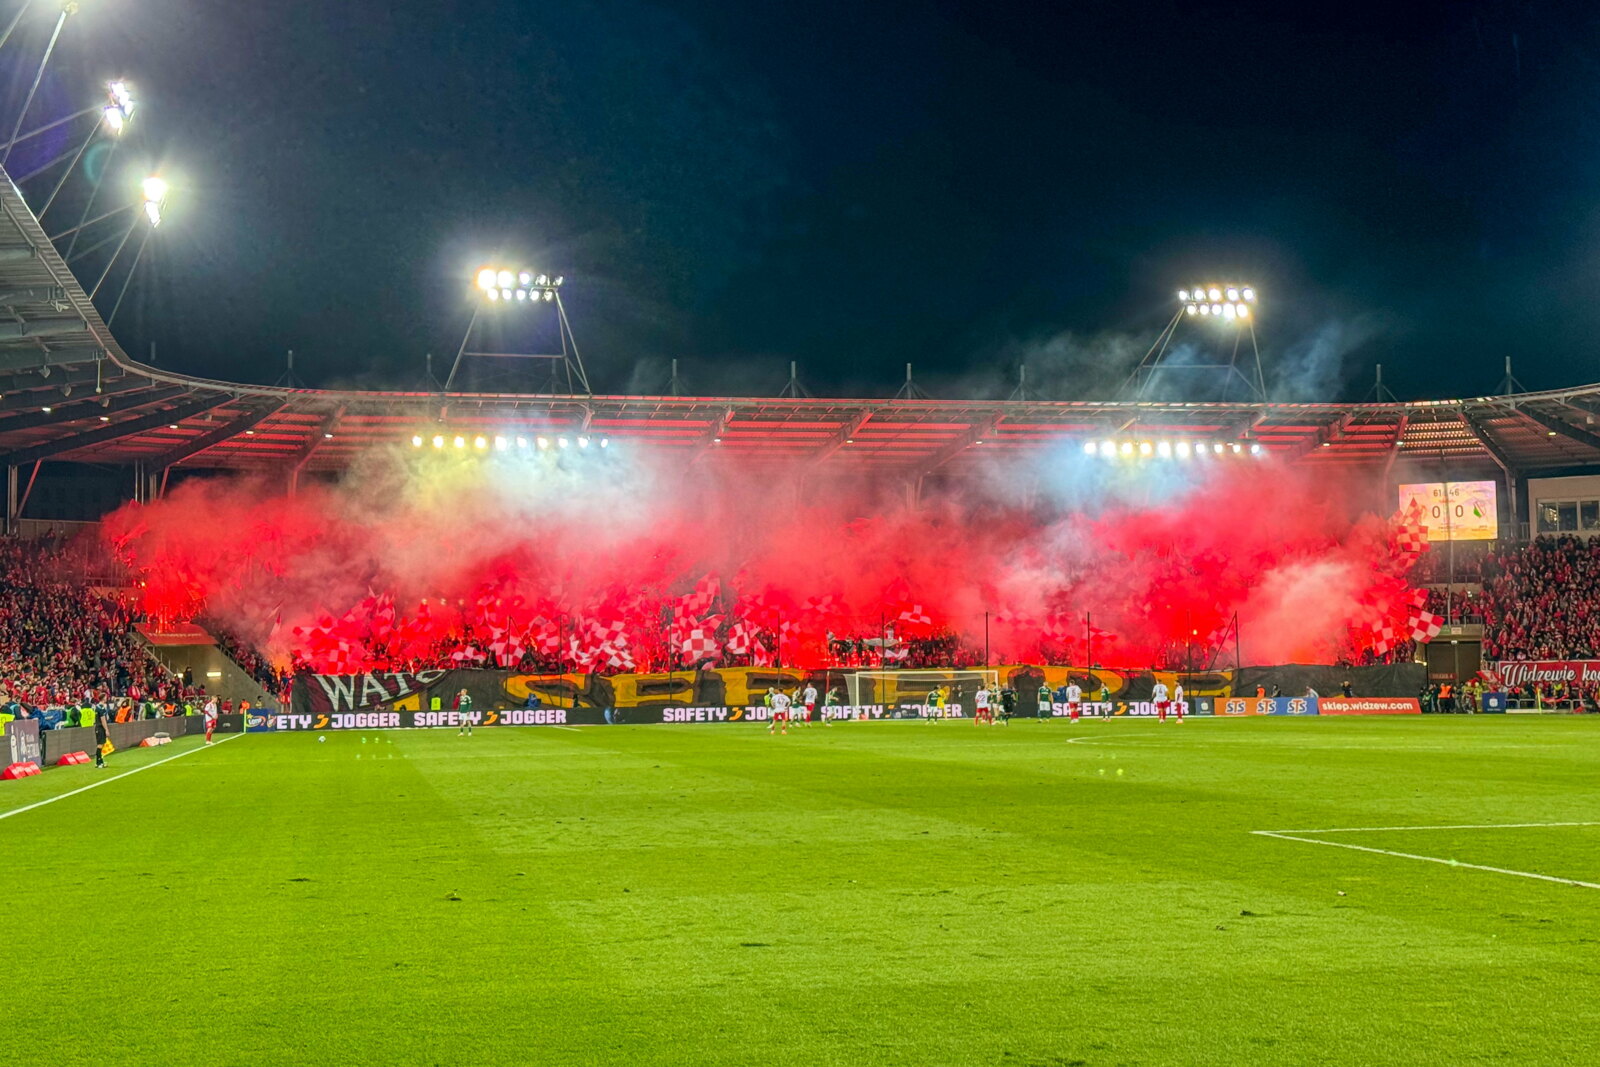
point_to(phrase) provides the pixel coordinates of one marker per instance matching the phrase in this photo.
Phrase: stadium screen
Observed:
(1472, 514)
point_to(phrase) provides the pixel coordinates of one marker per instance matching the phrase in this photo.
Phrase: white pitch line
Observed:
(113, 778)
(1428, 859)
(1467, 826)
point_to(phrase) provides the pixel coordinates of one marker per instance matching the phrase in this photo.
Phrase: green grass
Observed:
(895, 893)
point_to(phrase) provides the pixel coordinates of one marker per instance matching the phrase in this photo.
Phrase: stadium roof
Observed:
(69, 392)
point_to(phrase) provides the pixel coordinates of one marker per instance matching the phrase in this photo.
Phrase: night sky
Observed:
(959, 185)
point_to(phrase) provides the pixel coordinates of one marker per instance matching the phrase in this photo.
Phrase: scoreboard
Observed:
(1469, 515)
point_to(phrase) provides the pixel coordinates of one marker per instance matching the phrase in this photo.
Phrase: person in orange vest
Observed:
(1261, 692)
(1447, 700)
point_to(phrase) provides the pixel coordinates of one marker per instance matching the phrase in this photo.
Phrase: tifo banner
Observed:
(1267, 706)
(1521, 674)
(1369, 706)
(438, 690)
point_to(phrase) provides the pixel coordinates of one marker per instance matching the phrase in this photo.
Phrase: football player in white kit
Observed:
(981, 712)
(1074, 701)
(780, 711)
(1162, 700)
(808, 700)
(1177, 700)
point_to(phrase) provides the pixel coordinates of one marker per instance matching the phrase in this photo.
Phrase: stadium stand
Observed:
(1542, 600)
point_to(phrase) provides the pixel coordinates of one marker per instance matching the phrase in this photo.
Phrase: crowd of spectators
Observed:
(66, 641)
(1542, 600)
(252, 662)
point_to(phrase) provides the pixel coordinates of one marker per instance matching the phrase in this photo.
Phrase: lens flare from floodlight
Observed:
(1127, 448)
(499, 444)
(1164, 449)
(1145, 448)
(1217, 448)
(461, 442)
(1214, 294)
(605, 442)
(1248, 293)
(1090, 448)
(562, 442)
(1237, 448)
(1233, 296)
(487, 280)
(1244, 311)
(480, 442)
(1227, 311)
(1182, 450)
(506, 279)
(583, 442)
(438, 440)
(522, 442)
(416, 440)
(1255, 450)
(544, 442)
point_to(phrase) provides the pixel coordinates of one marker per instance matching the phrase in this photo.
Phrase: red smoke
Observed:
(585, 561)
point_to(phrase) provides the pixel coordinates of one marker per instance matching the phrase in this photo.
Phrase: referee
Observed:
(101, 737)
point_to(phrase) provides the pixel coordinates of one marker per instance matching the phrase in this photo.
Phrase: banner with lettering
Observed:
(1524, 674)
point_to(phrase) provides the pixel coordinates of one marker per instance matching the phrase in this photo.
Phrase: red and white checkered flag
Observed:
(1425, 626)
(700, 645)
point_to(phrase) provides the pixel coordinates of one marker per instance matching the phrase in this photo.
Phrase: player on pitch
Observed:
(1074, 701)
(981, 712)
(209, 714)
(1177, 699)
(780, 710)
(464, 710)
(1162, 699)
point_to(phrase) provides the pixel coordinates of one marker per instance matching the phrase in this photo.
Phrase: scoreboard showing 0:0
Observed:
(1471, 514)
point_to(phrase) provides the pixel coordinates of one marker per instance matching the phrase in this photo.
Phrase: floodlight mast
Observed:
(505, 291)
(1232, 307)
(67, 10)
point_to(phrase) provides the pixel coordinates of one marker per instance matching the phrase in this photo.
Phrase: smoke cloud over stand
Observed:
(621, 558)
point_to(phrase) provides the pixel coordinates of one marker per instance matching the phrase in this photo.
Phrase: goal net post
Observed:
(897, 688)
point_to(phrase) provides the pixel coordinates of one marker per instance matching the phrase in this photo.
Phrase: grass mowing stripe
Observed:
(108, 781)
(1427, 859)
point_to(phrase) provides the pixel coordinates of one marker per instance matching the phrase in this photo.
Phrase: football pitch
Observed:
(1428, 892)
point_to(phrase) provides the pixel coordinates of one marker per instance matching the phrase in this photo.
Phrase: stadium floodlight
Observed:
(480, 442)
(1255, 450)
(1237, 448)
(416, 440)
(438, 440)
(119, 109)
(1228, 302)
(522, 286)
(562, 441)
(1089, 448)
(499, 444)
(1164, 449)
(1144, 448)
(461, 442)
(1183, 449)
(1127, 448)
(155, 197)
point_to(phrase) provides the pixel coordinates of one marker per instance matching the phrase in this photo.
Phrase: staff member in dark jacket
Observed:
(101, 736)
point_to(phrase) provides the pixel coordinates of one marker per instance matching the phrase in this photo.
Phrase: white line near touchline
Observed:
(1463, 826)
(113, 778)
(1435, 859)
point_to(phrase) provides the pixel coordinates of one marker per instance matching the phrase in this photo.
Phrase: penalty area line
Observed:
(113, 778)
(1428, 859)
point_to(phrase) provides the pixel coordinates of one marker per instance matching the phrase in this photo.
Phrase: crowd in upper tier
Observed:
(1542, 600)
(65, 639)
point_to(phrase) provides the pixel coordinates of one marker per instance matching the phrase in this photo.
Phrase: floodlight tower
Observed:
(501, 291)
(1230, 308)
